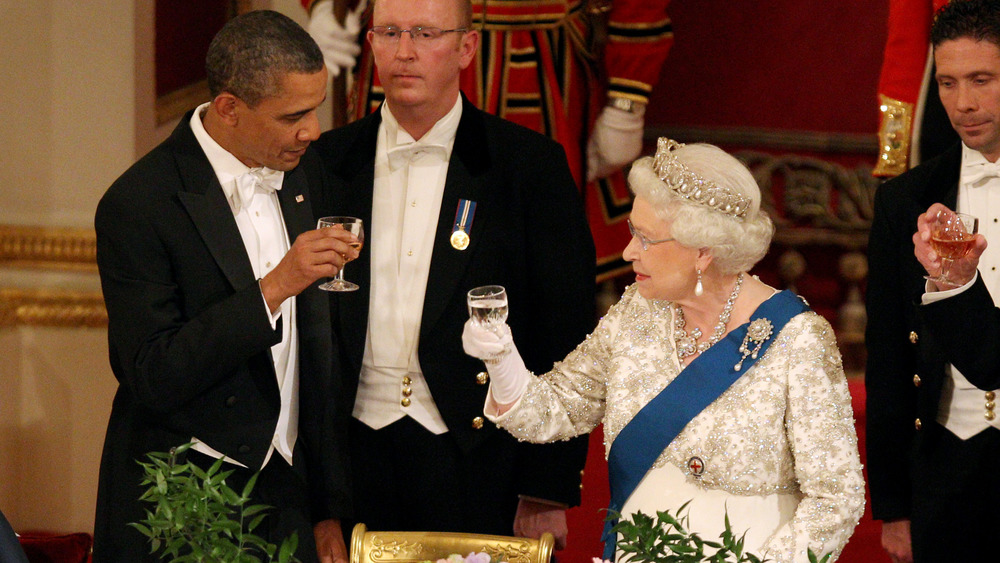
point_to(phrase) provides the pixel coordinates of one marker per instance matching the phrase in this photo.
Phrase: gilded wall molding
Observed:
(48, 248)
(53, 308)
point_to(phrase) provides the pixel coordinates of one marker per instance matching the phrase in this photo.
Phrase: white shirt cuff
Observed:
(273, 317)
(931, 296)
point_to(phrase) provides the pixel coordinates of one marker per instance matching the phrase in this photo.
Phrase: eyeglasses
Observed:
(645, 242)
(421, 36)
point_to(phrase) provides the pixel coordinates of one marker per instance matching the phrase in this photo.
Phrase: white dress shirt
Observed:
(405, 209)
(963, 407)
(266, 240)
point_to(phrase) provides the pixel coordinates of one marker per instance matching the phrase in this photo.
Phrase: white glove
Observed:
(339, 44)
(615, 141)
(508, 376)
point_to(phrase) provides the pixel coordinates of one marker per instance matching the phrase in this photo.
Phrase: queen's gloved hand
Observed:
(495, 346)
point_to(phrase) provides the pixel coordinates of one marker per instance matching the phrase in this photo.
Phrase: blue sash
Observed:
(644, 438)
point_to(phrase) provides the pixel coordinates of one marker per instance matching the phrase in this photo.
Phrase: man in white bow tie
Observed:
(456, 198)
(934, 348)
(209, 260)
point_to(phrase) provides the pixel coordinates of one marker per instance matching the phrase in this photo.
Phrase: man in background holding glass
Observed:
(455, 199)
(933, 434)
(209, 261)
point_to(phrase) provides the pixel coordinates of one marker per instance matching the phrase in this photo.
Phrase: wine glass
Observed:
(356, 227)
(952, 236)
(488, 308)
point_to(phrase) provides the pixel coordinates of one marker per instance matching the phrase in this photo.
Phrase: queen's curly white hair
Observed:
(735, 244)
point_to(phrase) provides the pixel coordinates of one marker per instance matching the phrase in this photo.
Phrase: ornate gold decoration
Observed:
(821, 208)
(49, 248)
(391, 549)
(852, 316)
(791, 266)
(509, 552)
(893, 136)
(41, 307)
(46, 247)
(413, 547)
(813, 201)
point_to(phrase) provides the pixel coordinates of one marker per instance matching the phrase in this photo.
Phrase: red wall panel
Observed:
(774, 64)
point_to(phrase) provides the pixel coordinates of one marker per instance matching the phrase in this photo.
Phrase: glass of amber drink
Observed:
(952, 236)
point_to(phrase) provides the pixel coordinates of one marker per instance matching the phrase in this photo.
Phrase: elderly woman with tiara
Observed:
(713, 387)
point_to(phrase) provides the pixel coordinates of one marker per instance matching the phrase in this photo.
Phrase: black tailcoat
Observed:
(190, 336)
(917, 469)
(529, 234)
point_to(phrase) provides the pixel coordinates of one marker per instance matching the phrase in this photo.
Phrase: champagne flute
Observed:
(952, 237)
(354, 226)
(488, 308)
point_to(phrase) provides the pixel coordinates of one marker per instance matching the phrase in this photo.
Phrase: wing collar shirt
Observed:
(262, 228)
(409, 186)
(961, 408)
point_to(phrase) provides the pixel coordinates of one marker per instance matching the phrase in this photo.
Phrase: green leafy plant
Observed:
(195, 517)
(666, 539)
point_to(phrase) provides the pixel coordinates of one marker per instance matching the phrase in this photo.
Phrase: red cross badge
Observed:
(696, 466)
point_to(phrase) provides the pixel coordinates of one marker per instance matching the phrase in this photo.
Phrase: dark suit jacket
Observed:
(529, 234)
(10, 548)
(906, 361)
(190, 338)
(967, 326)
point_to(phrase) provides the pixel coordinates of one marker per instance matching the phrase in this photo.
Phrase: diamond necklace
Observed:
(688, 345)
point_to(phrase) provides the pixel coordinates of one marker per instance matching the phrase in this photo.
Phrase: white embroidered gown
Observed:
(778, 449)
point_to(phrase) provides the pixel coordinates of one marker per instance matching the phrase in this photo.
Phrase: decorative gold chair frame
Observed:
(413, 547)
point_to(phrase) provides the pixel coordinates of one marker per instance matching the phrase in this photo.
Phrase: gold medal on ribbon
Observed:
(459, 240)
(463, 224)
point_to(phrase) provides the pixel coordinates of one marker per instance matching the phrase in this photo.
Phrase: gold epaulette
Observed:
(893, 137)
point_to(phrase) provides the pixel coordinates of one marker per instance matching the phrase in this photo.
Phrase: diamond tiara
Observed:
(692, 186)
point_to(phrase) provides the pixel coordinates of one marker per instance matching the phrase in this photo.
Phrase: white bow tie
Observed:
(262, 180)
(972, 173)
(403, 154)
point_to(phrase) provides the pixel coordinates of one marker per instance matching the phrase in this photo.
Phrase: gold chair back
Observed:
(413, 547)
